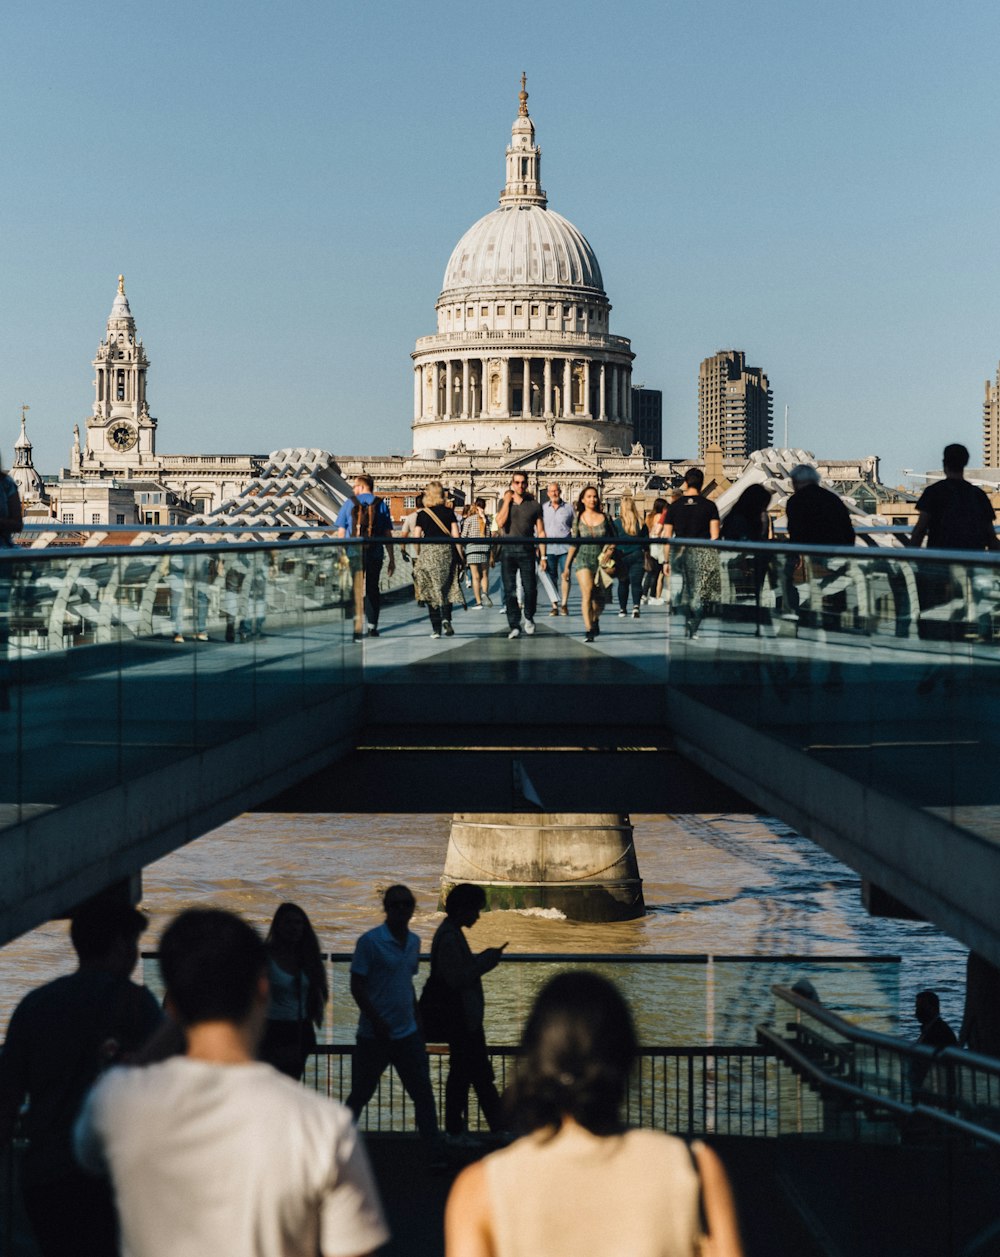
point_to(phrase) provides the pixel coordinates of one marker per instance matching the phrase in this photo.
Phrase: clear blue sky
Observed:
(813, 182)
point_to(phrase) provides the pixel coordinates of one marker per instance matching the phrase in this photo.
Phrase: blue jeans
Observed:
(409, 1055)
(514, 559)
(555, 565)
(630, 580)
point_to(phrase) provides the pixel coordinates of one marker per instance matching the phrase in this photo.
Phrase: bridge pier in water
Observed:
(582, 864)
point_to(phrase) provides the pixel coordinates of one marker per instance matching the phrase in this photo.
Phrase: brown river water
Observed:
(716, 885)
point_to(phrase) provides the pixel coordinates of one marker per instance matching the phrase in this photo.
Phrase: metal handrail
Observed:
(978, 558)
(771, 1040)
(886, 1042)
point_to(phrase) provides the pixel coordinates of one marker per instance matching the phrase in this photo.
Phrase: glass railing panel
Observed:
(156, 692)
(118, 660)
(880, 663)
(69, 717)
(21, 625)
(668, 995)
(864, 989)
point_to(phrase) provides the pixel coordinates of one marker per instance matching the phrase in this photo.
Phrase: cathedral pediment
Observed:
(552, 457)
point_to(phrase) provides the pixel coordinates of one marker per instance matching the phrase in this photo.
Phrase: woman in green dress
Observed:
(592, 531)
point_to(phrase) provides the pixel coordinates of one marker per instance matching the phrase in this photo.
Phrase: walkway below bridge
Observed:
(872, 738)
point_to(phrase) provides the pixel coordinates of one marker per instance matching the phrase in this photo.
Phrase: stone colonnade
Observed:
(552, 387)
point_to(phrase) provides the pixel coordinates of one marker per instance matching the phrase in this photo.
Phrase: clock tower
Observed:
(121, 433)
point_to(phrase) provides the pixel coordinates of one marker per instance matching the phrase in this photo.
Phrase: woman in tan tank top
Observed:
(579, 1182)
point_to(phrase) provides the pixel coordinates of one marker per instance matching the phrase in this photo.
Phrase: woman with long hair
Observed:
(553, 1191)
(475, 525)
(748, 520)
(592, 531)
(629, 527)
(299, 991)
(437, 572)
(652, 581)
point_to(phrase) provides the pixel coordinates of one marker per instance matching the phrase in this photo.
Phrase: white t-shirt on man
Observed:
(210, 1159)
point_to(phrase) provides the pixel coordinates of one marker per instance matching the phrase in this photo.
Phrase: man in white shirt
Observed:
(385, 961)
(557, 517)
(213, 1151)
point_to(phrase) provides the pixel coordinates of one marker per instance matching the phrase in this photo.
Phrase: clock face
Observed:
(122, 436)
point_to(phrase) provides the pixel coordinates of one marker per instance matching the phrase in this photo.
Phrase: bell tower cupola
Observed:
(29, 483)
(524, 159)
(120, 430)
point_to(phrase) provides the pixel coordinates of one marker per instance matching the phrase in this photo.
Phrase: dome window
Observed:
(484, 311)
(518, 309)
(469, 312)
(534, 309)
(501, 309)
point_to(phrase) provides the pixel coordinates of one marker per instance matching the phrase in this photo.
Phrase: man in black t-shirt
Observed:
(692, 516)
(520, 515)
(953, 515)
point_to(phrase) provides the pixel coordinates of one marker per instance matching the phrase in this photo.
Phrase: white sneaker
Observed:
(621, 615)
(514, 632)
(656, 602)
(435, 633)
(644, 598)
(529, 627)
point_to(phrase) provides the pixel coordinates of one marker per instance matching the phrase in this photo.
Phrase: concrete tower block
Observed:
(582, 864)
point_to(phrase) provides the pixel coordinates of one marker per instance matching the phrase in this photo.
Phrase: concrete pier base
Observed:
(584, 865)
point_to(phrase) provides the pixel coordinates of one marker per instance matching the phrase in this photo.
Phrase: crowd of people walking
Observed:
(184, 1130)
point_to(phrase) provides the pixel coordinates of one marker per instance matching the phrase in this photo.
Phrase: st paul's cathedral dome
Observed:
(523, 355)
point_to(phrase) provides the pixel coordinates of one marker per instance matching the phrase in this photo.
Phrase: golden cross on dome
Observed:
(24, 411)
(523, 110)
(121, 284)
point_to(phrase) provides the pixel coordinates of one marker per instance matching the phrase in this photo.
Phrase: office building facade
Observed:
(735, 405)
(991, 423)
(647, 420)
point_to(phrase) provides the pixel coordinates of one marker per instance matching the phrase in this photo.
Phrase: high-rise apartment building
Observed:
(991, 423)
(647, 420)
(734, 405)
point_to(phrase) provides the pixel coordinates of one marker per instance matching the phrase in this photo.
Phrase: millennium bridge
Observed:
(849, 692)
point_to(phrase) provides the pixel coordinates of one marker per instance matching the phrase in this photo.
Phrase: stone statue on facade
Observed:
(506, 445)
(637, 450)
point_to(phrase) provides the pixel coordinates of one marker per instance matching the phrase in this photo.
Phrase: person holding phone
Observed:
(461, 971)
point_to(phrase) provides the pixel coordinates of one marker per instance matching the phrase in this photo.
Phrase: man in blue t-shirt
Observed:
(382, 971)
(557, 518)
(365, 515)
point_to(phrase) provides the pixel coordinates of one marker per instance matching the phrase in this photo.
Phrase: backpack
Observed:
(365, 516)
